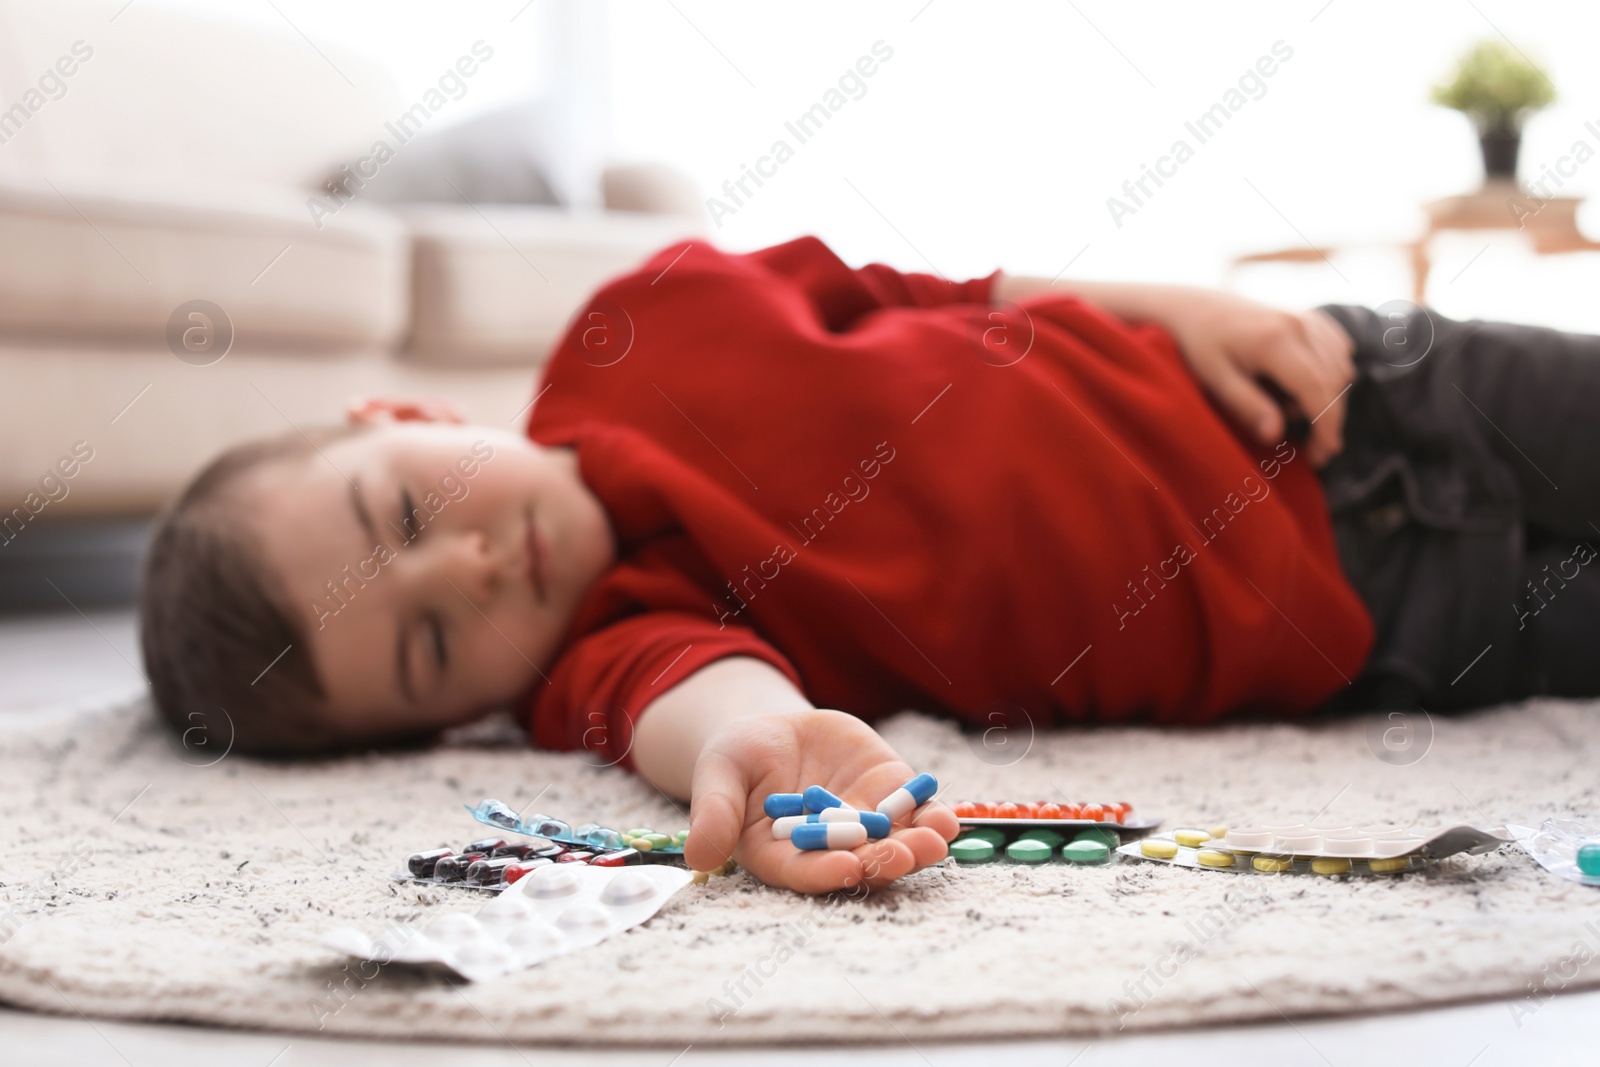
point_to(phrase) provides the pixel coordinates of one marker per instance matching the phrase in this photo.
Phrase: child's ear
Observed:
(373, 411)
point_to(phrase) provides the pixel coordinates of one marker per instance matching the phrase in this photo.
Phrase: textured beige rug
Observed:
(142, 885)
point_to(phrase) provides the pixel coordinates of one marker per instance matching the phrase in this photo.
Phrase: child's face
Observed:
(457, 555)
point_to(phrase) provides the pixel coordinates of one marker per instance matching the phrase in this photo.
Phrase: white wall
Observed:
(996, 133)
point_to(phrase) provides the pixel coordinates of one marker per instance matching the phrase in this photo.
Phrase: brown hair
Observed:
(228, 662)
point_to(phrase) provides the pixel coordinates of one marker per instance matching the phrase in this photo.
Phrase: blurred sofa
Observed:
(153, 163)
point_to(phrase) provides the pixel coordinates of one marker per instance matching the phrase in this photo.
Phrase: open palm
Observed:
(784, 753)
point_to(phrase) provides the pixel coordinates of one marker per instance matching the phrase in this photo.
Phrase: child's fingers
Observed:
(718, 799)
(937, 817)
(1249, 404)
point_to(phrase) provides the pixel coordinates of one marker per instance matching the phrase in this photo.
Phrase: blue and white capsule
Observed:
(828, 835)
(909, 797)
(877, 825)
(779, 805)
(817, 798)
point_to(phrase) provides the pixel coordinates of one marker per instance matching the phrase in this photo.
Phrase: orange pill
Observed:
(1071, 811)
(1005, 810)
(1029, 810)
(1093, 813)
(1048, 811)
(966, 810)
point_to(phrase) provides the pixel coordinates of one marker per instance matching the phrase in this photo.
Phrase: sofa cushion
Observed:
(499, 283)
(94, 263)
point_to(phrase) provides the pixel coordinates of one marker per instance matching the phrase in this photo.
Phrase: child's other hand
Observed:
(1230, 342)
(783, 753)
(374, 411)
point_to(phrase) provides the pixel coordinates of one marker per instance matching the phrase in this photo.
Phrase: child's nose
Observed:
(467, 561)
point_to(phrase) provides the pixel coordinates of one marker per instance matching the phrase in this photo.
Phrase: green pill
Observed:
(1028, 851)
(985, 833)
(1589, 857)
(1107, 838)
(1085, 852)
(1048, 836)
(658, 840)
(972, 850)
(642, 831)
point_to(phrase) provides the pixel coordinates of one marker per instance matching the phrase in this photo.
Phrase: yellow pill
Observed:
(700, 877)
(1208, 857)
(1158, 849)
(1219, 832)
(1384, 866)
(1330, 865)
(1273, 864)
(1191, 838)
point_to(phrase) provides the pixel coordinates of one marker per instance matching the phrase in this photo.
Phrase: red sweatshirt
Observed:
(903, 497)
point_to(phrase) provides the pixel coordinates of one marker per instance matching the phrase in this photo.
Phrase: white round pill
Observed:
(533, 938)
(456, 926)
(547, 883)
(629, 887)
(584, 918)
(507, 907)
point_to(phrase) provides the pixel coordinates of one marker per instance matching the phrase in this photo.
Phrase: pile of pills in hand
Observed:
(816, 819)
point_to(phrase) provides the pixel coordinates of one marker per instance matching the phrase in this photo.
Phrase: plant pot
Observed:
(1500, 148)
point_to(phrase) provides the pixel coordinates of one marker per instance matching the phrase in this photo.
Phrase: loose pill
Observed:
(1388, 864)
(784, 825)
(1330, 865)
(842, 813)
(1190, 838)
(972, 850)
(1158, 848)
(778, 805)
(816, 798)
(828, 835)
(909, 797)
(422, 864)
(1089, 851)
(1025, 851)
(1589, 857)
(1272, 864)
(1208, 857)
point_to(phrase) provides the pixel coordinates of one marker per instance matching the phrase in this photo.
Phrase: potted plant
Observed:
(1496, 87)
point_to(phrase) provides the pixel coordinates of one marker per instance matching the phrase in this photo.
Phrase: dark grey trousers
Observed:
(1466, 506)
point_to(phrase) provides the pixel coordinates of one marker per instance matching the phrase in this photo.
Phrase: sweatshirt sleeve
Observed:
(842, 294)
(602, 684)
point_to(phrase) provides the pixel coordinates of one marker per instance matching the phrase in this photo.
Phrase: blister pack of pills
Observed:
(501, 816)
(493, 863)
(1298, 848)
(555, 910)
(1091, 846)
(1566, 848)
(1061, 816)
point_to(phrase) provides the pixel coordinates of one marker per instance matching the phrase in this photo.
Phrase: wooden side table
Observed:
(1550, 223)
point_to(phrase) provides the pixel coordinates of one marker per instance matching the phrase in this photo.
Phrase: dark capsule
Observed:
(520, 851)
(422, 864)
(486, 846)
(489, 872)
(452, 868)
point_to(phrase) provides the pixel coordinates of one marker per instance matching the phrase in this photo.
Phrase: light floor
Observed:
(57, 660)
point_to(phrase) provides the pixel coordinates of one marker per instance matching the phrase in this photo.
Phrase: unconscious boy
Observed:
(758, 487)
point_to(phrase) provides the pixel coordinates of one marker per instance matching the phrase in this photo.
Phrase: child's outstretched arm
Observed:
(737, 730)
(1230, 343)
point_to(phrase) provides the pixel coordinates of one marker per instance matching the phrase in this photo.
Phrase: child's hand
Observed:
(783, 753)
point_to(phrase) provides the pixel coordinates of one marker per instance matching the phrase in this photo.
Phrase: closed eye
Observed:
(441, 654)
(408, 514)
